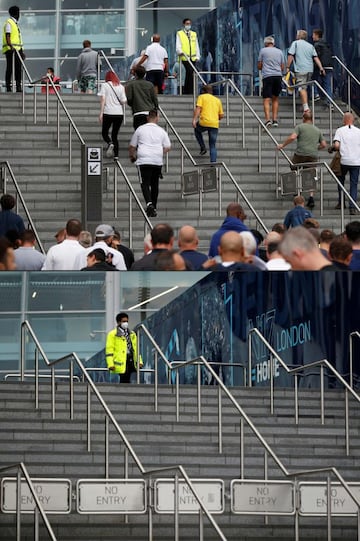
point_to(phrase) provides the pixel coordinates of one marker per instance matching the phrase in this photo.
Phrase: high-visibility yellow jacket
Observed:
(188, 44)
(15, 36)
(116, 351)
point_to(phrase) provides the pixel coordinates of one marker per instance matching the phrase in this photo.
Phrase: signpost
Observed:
(211, 492)
(250, 497)
(54, 495)
(91, 186)
(111, 497)
(313, 499)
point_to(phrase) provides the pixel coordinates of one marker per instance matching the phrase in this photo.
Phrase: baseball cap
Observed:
(104, 231)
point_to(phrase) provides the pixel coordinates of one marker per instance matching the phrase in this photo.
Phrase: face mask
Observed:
(187, 27)
(124, 325)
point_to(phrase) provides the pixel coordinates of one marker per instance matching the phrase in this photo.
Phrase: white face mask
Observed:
(187, 27)
(124, 325)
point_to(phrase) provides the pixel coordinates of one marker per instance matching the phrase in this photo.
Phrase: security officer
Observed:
(187, 47)
(12, 40)
(121, 349)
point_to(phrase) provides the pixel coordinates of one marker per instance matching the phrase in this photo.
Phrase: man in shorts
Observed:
(86, 69)
(271, 63)
(303, 55)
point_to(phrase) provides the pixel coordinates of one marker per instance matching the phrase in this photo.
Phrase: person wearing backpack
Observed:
(325, 54)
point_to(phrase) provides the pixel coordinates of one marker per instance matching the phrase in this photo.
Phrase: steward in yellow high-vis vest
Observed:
(121, 349)
(11, 41)
(187, 48)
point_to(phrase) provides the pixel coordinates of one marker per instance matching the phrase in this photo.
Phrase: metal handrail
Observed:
(350, 76)
(7, 165)
(38, 507)
(352, 335)
(132, 193)
(26, 328)
(323, 363)
(268, 450)
(59, 102)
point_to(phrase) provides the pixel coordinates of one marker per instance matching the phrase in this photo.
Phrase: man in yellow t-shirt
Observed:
(207, 113)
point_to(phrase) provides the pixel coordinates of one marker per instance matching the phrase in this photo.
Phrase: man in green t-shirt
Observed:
(309, 140)
(207, 114)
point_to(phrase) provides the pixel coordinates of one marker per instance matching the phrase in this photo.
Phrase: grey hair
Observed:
(269, 39)
(297, 237)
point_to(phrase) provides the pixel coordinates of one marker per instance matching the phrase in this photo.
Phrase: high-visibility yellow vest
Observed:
(188, 44)
(15, 36)
(116, 351)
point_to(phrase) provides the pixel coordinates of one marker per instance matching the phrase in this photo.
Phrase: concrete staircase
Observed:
(58, 449)
(53, 194)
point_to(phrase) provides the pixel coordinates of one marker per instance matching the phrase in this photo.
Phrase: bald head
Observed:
(236, 211)
(188, 239)
(272, 237)
(348, 119)
(231, 247)
(156, 38)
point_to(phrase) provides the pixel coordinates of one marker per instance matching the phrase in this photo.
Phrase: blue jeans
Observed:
(353, 170)
(324, 81)
(213, 133)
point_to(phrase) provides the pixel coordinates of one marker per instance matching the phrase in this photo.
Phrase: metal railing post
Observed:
(88, 417)
(242, 449)
(201, 525)
(53, 392)
(36, 524)
(227, 103)
(36, 379)
(220, 190)
(150, 507)
(328, 502)
(18, 505)
(259, 148)
(198, 366)
(126, 474)
(347, 439)
(220, 420)
(70, 148)
(47, 101)
(156, 381)
(296, 397)
(177, 395)
(71, 389)
(271, 385)
(106, 447)
(116, 194)
(349, 92)
(58, 124)
(249, 359)
(35, 106)
(22, 354)
(321, 192)
(243, 124)
(322, 405)
(176, 507)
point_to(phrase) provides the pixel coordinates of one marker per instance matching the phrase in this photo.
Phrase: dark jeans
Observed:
(130, 369)
(189, 78)
(149, 179)
(115, 121)
(9, 68)
(324, 81)
(353, 171)
(139, 120)
(213, 133)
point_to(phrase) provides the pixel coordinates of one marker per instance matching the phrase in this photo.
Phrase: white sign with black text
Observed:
(111, 496)
(211, 492)
(53, 494)
(250, 497)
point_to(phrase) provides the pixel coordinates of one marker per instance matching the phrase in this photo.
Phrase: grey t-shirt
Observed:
(304, 54)
(308, 140)
(272, 59)
(28, 259)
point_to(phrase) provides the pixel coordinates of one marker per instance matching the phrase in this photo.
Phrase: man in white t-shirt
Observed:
(61, 257)
(347, 141)
(157, 66)
(147, 147)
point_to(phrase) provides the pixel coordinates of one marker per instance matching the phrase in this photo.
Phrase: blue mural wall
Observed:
(305, 316)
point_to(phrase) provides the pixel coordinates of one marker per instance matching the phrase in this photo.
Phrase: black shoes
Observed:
(151, 211)
(203, 152)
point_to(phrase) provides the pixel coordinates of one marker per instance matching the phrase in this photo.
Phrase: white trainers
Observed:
(110, 151)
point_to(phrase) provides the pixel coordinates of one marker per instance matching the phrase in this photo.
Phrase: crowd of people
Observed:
(296, 243)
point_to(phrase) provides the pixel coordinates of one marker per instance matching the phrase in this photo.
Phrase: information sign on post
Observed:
(209, 179)
(91, 186)
(288, 183)
(190, 183)
(53, 494)
(211, 492)
(313, 499)
(250, 497)
(110, 497)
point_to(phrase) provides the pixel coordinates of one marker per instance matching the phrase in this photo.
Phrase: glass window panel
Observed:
(28, 5)
(38, 31)
(10, 343)
(66, 292)
(92, 4)
(10, 292)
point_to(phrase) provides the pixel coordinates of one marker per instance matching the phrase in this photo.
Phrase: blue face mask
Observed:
(187, 27)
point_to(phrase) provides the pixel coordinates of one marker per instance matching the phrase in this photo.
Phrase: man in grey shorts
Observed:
(271, 63)
(303, 55)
